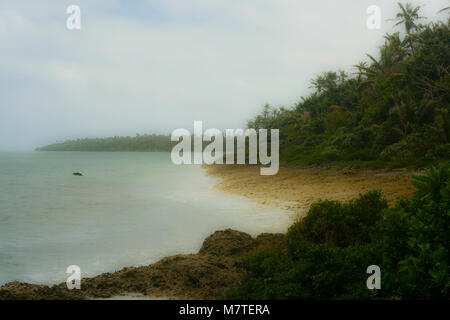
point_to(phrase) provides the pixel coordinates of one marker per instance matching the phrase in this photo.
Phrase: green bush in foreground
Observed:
(330, 249)
(417, 240)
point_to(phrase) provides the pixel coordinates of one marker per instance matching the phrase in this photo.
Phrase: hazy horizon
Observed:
(154, 66)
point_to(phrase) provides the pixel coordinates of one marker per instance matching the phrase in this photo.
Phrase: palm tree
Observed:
(391, 53)
(408, 16)
(405, 118)
(433, 185)
(318, 83)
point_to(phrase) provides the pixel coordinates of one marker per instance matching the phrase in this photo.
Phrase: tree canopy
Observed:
(393, 110)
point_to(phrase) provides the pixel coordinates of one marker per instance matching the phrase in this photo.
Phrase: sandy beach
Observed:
(296, 189)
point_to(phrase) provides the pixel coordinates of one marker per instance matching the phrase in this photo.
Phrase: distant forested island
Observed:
(139, 143)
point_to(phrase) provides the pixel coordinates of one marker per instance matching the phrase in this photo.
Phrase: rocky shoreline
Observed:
(207, 274)
(216, 268)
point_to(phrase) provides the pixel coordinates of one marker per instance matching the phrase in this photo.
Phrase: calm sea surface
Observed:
(128, 209)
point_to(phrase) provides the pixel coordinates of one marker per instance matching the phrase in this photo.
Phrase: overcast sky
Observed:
(157, 65)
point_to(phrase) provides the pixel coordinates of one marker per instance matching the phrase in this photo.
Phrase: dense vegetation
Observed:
(145, 143)
(329, 250)
(393, 111)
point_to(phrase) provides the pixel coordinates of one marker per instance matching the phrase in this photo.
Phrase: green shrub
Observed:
(417, 239)
(336, 224)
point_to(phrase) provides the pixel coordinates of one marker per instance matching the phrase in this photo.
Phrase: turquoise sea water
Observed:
(128, 209)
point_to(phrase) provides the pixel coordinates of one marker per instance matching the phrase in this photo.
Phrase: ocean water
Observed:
(128, 209)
